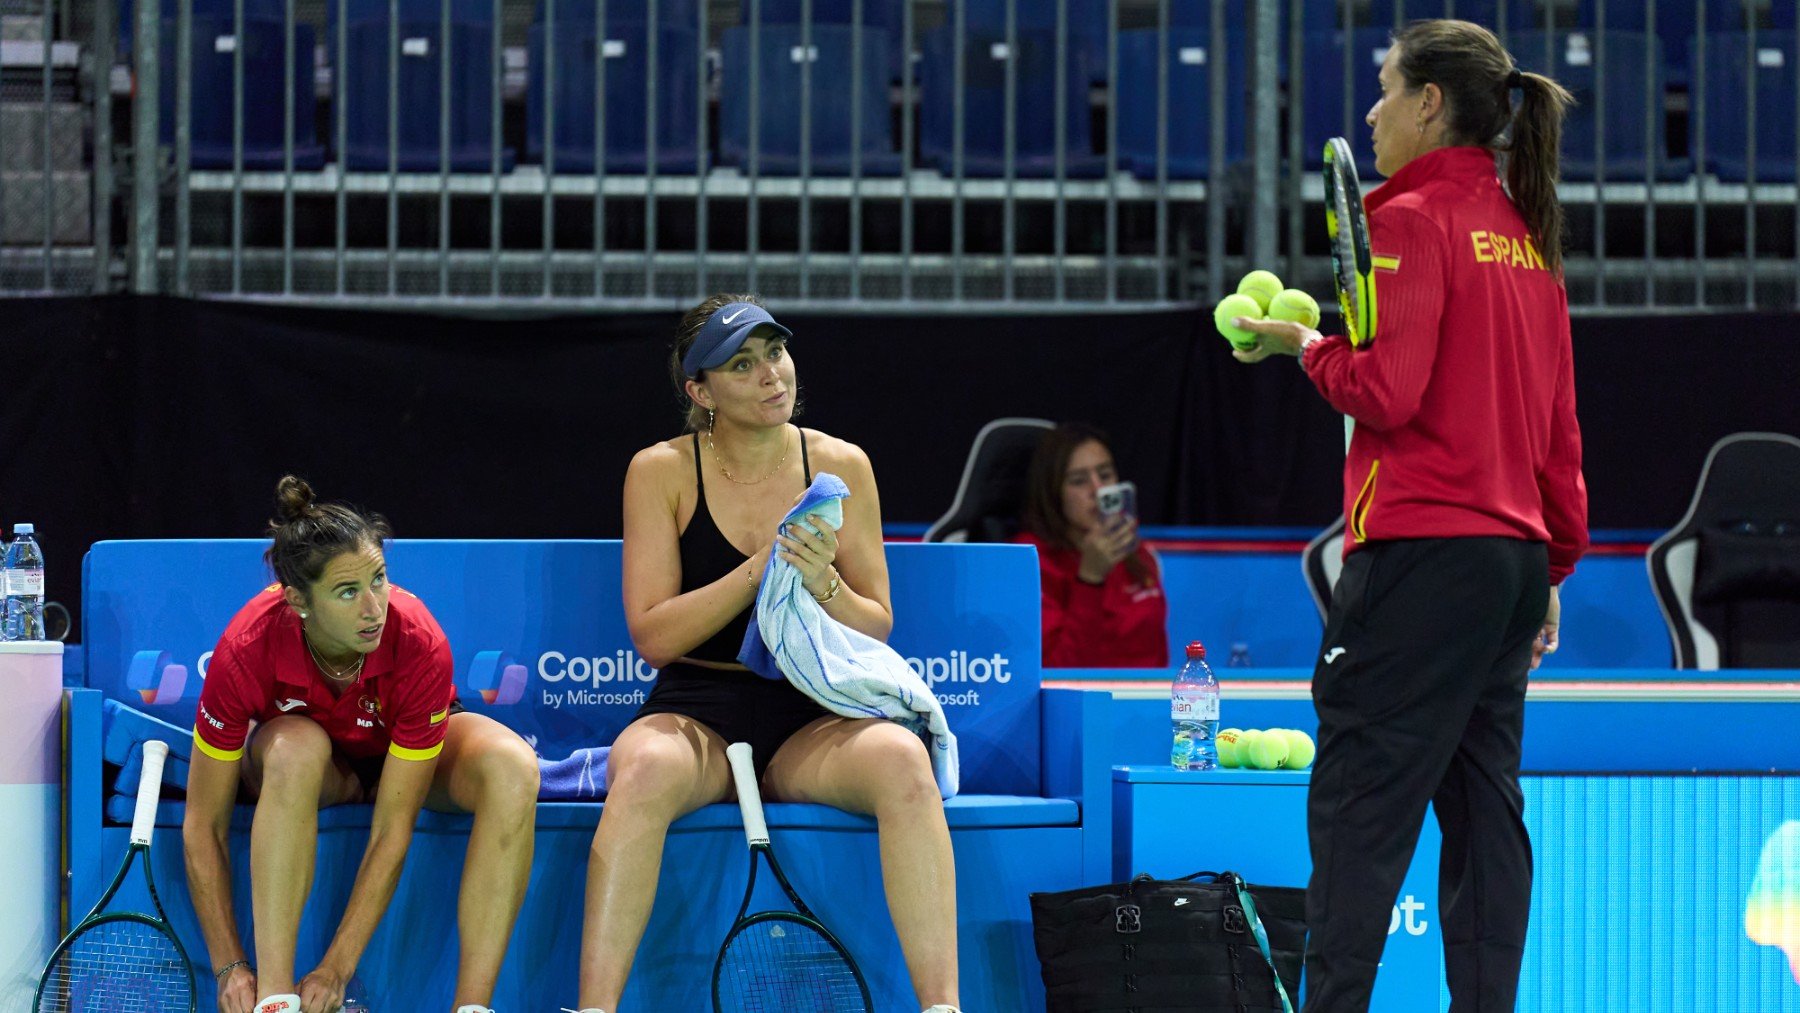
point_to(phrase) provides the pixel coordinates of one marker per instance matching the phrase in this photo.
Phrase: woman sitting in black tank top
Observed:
(700, 518)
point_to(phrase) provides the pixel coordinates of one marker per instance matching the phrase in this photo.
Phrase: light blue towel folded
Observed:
(846, 672)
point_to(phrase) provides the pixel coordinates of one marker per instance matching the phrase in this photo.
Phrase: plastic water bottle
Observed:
(356, 998)
(1194, 713)
(22, 572)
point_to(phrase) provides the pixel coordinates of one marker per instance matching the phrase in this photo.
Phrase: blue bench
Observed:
(540, 643)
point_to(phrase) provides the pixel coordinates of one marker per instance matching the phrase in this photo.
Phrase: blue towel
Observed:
(578, 777)
(844, 671)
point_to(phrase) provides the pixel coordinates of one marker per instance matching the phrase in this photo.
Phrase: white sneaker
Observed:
(287, 1003)
(941, 1008)
(589, 1009)
(472, 1008)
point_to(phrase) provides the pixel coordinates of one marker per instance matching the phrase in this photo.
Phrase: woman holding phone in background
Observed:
(1102, 588)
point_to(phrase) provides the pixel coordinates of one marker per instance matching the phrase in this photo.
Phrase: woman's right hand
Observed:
(237, 990)
(1105, 546)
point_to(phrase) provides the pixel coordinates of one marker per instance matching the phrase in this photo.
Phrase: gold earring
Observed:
(709, 420)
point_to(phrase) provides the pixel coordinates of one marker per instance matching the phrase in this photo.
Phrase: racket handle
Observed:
(743, 772)
(143, 820)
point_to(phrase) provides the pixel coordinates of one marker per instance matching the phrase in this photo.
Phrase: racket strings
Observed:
(787, 966)
(118, 967)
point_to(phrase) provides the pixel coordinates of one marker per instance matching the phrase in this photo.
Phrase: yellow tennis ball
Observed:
(1237, 306)
(1228, 748)
(1263, 286)
(1246, 739)
(1293, 304)
(1300, 750)
(1269, 751)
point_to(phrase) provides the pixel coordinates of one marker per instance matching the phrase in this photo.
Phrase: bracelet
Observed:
(228, 968)
(831, 590)
(750, 574)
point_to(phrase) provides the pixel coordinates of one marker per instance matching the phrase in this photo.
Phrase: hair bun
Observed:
(293, 498)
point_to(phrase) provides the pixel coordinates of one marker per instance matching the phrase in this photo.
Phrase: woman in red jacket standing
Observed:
(1466, 509)
(1102, 588)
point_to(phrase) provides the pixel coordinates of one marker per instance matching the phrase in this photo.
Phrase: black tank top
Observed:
(706, 555)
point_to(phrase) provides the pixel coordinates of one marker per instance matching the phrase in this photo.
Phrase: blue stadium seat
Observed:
(207, 8)
(887, 15)
(984, 106)
(1321, 15)
(1733, 71)
(778, 101)
(1675, 22)
(1619, 63)
(1189, 138)
(362, 87)
(669, 13)
(578, 51)
(1086, 24)
(213, 47)
(1323, 114)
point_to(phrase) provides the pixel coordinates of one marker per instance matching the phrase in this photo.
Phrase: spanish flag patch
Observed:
(1385, 263)
(440, 716)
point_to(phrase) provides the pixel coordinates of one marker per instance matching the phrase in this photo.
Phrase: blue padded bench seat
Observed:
(965, 812)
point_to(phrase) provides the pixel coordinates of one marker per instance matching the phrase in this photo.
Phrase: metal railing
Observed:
(292, 160)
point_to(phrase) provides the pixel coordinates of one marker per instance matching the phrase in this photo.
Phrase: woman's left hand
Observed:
(811, 553)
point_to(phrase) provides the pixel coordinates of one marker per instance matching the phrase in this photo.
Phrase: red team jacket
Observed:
(1465, 401)
(1120, 623)
(262, 669)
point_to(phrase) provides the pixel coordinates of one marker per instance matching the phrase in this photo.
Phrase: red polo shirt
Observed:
(262, 670)
(1465, 402)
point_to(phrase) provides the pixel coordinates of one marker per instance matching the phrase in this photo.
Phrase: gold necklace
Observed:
(349, 673)
(710, 445)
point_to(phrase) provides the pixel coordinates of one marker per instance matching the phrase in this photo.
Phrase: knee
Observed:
(294, 750)
(897, 767)
(655, 776)
(506, 775)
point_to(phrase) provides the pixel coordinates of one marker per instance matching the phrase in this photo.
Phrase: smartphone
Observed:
(1117, 499)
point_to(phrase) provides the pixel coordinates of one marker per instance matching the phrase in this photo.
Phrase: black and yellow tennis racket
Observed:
(1352, 263)
(123, 960)
(776, 961)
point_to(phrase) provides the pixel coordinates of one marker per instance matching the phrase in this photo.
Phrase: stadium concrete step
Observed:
(24, 198)
(22, 136)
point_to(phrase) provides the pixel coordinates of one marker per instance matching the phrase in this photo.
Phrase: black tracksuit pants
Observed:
(1420, 692)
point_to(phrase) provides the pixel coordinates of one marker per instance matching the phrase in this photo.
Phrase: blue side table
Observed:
(1169, 822)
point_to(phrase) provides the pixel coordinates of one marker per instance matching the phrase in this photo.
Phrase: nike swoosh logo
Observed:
(1333, 654)
(288, 705)
(734, 316)
(1179, 901)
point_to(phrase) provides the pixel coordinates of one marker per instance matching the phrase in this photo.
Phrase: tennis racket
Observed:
(123, 961)
(1352, 264)
(776, 960)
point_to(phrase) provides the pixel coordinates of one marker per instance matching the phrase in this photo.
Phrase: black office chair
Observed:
(1728, 576)
(992, 491)
(1322, 561)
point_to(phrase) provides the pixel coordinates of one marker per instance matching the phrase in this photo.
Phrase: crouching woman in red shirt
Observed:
(334, 686)
(1102, 588)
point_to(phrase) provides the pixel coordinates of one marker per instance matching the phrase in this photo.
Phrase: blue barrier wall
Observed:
(540, 639)
(1259, 599)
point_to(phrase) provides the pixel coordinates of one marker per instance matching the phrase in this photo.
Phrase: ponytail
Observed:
(1532, 162)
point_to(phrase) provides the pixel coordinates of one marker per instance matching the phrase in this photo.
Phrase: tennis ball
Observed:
(1237, 306)
(1269, 750)
(1228, 748)
(1300, 750)
(1246, 739)
(1262, 286)
(1293, 304)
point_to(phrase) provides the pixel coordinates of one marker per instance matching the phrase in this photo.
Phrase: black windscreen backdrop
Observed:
(127, 417)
